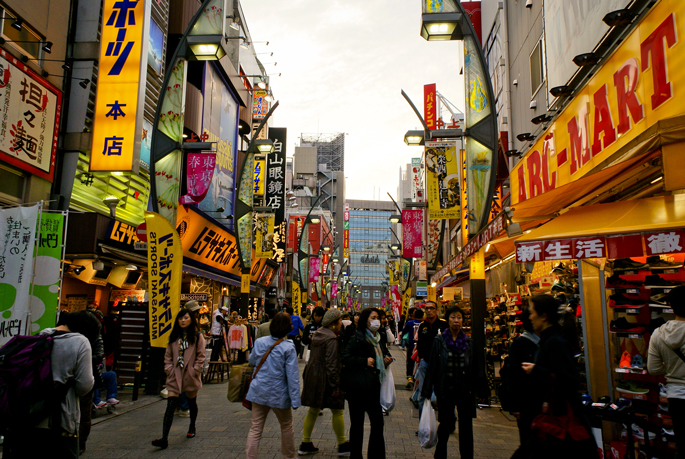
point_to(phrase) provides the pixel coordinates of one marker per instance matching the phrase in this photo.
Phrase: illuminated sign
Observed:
(258, 176)
(120, 93)
(260, 106)
(430, 106)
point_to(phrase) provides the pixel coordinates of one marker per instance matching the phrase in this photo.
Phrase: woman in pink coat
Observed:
(183, 361)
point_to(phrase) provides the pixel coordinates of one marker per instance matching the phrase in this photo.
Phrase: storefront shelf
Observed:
(634, 371)
(628, 335)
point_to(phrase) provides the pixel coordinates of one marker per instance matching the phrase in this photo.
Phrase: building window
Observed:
(11, 185)
(365, 294)
(25, 40)
(376, 294)
(537, 67)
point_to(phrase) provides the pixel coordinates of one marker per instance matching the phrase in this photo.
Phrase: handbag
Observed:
(246, 403)
(549, 427)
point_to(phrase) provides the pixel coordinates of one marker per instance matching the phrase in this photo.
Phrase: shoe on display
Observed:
(626, 264)
(621, 404)
(667, 432)
(619, 300)
(561, 298)
(662, 409)
(662, 391)
(621, 325)
(586, 400)
(656, 281)
(656, 262)
(560, 270)
(637, 362)
(630, 387)
(307, 448)
(640, 434)
(616, 281)
(625, 360)
(659, 301)
(344, 449)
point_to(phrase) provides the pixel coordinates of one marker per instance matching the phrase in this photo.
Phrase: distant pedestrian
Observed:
(409, 331)
(263, 329)
(295, 334)
(321, 383)
(276, 386)
(452, 375)
(350, 329)
(312, 326)
(364, 362)
(183, 362)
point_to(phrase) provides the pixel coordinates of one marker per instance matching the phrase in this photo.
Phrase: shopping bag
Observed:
(237, 382)
(428, 426)
(388, 392)
(306, 355)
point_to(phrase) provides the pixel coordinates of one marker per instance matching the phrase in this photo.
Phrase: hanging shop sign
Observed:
(194, 296)
(434, 240)
(346, 232)
(490, 232)
(296, 298)
(258, 176)
(632, 91)
(29, 123)
(264, 242)
(48, 263)
(396, 302)
(314, 269)
(412, 226)
(274, 196)
(260, 106)
(430, 104)
(199, 172)
(394, 273)
(421, 289)
(416, 176)
(120, 93)
(165, 272)
(122, 233)
(442, 177)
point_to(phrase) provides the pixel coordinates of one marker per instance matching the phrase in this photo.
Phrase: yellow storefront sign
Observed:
(258, 177)
(635, 88)
(442, 176)
(297, 298)
(244, 283)
(118, 107)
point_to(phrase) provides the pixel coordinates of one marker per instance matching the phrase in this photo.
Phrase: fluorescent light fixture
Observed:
(132, 267)
(434, 284)
(656, 180)
(487, 247)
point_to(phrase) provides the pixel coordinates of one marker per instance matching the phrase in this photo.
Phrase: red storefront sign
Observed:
(412, 240)
(430, 106)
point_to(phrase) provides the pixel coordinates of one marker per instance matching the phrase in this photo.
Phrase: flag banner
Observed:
(442, 174)
(334, 290)
(45, 299)
(396, 301)
(412, 240)
(296, 298)
(394, 271)
(199, 173)
(264, 243)
(314, 269)
(165, 264)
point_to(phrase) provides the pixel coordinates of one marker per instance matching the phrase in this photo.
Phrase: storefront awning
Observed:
(451, 280)
(635, 216)
(210, 275)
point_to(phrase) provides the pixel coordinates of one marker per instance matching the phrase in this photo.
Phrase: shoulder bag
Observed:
(246, 403)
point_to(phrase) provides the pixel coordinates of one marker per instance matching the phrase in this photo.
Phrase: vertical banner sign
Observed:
(165, 264)
(118, 107)
(264, 243)
(412, 240)
(17, 240)
(260, 106)
(274, 196)
(314, 268)
(244, 283)
(199, 172)
(406, 297)
(394, 271)
(45, 299)
(442, 173)
(405, 274)
(324, 263)
(259, 165)
(334, 290)
(434, 240)
(396, 301)
(346, 232)
(464, 199)
(416, 175)
(430, 111)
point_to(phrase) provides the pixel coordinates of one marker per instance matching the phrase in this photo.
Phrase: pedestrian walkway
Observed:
(222, 429)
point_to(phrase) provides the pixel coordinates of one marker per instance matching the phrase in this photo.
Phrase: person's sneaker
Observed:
(656, 281)
(626, 264)
(410, 383)
(112, 401)
(637, 362)
(659, 301)
(630, 387)
(344, 449)
(621, 325)
(100, 405)
(307, 448)
(616, 281)
(656, 262)
(183, 413)
(625, 360)
(621, 404)
(619, 300)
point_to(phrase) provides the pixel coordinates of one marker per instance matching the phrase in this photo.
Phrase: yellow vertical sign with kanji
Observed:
(297, 298)
(245, 283)
(120, 87)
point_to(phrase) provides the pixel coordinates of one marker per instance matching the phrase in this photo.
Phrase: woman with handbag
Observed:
(183, 362)
(364, 362)
(275, 386)
(560, 428)
(450, 375)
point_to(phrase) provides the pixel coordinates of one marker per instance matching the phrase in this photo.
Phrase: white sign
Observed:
(140, 246)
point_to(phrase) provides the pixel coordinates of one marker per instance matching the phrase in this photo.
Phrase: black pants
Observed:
(524, 425)
(376, 441)
(410, 362)
(217, 344)
(297, 341)
(465, 404)
(45, 443)
(676, 408)
(86, 407)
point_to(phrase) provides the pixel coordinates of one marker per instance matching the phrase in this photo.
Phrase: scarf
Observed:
(182, 346)
(459, 345)
(375, 341)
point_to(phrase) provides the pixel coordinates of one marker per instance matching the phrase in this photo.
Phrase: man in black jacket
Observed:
(431, 326)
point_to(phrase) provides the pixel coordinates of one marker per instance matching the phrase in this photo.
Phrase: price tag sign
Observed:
(634, 335)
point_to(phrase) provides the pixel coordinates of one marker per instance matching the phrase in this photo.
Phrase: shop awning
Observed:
(450, 280)
(210, 275)
(635, 216)
(140, 258)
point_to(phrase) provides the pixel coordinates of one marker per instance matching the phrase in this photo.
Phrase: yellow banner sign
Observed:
(244, 283)
(394, 273)
(118, 116)
(442, 173)
(264, 244)
(258, 177)
(634, 89)
(432, 293)
(165, 272)
(297, 298)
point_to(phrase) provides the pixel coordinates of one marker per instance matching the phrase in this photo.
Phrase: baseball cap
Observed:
(224, 308)
(192, 306)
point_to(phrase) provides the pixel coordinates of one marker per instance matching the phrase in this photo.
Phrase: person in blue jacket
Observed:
(298, 327)
(275, 387)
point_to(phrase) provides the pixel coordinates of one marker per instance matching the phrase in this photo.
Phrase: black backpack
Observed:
(502, 389)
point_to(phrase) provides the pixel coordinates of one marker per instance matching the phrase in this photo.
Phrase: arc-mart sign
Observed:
(636, 87)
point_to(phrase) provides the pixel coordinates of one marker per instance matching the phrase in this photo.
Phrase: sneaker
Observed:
(665, 431)
(626, 264)
(621, 404)
(410, 383)
(560, 270)
(344, 449)
(183, 413)
(630, 387)
(307, 448)
(659, 301)
(656, 262)
(656, 281)
(662, 391)
(586, 400)
(625, 360)
(100, 405)
(662, 409)
(621, 325)
(112, 401)
(640, 434)
(619, 300)
(602, 402)
(615, 281)
(637, 362)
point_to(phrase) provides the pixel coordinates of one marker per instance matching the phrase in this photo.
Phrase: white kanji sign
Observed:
(660, 243)
(590, 247)
(529, 252)
(558, 250)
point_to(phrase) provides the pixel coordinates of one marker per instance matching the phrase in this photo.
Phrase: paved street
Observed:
(222, 430)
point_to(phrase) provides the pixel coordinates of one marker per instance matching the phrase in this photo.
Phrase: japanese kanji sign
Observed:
(314, 269)
(274, 195)
(264, 242)
(430, 105)
(30, 109)
(416, 179)
(442, 180)
(199, 172)
(118, 107)
(258, 178)
(664, 242)
(260, 106)
(48, 262)
(412, 240)
(17, 241)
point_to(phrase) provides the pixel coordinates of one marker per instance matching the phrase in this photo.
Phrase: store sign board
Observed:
(430, 105)
(194, 296)
(624, 246)
(260, 106)
(120, 94)
(123, 233)
(412, 226)
(258, 176)
(561, 249)
(421, 289)
(664, 242)
(29, 122)
(632, 91)
(442, 180)
(47, 278)
(275, 189)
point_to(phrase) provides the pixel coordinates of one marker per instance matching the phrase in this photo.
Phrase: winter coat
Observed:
(662, 360)
(188, 378)
(437, 369)
(309, 331)
(277, 384)
(359, 380)
(321, 376)
(519, 384)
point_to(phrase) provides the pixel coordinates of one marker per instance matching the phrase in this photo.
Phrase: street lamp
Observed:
(395, 219)
(206, 47)
(314, 219)
(414, 138)
(396, 246)
(265, 146)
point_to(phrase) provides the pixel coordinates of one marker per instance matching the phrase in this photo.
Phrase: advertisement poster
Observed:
(394, 271)
(264, 243)
(442, 175)
(165, 265)
(396, 301)
(412, 229)
(45, 299)
(155, 48)
(199, 170)
(17, 241)
(314, 269)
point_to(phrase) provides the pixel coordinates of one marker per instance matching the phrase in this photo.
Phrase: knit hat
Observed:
(192, 306)
(331, 316)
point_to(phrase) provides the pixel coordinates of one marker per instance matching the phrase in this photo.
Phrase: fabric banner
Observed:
(442, 173)
(405, 273)
(45, 301)
(394, 271)
(314, 269)
(406, 297)
(434, 240)
(17, 241)
(165, 264)
(396, 302)
(334, 290)
(199, 173)
(412, 240)
(258, 179)
(264, 243)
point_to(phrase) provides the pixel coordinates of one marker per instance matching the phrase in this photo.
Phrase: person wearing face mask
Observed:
(321, 383)
(431, 326)
(364, 361)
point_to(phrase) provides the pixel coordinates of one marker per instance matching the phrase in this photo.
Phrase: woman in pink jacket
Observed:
(183, 361)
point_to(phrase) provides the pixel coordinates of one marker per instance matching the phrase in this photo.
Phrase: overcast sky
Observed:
(343, 65)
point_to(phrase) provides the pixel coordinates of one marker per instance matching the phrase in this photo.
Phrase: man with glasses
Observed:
(429, 328)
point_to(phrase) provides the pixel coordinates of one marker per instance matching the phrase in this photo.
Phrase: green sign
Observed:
(346, 224)
(45, 300)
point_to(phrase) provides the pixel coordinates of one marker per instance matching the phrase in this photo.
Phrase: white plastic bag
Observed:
(306, 355)
(428, 426)
(388, 392)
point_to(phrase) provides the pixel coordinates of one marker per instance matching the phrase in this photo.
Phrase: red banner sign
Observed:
(430, 106)
(199, 176)
(412, 240)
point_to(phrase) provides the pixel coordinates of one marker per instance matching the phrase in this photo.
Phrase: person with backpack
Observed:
(66, 376)
(311, 327)
(519, 397)
(183, 362)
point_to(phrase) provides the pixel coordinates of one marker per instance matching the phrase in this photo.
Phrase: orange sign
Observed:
(632, 91)
(116, 147)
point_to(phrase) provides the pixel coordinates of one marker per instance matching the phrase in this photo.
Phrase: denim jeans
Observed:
(110, 380)
(183, 402)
